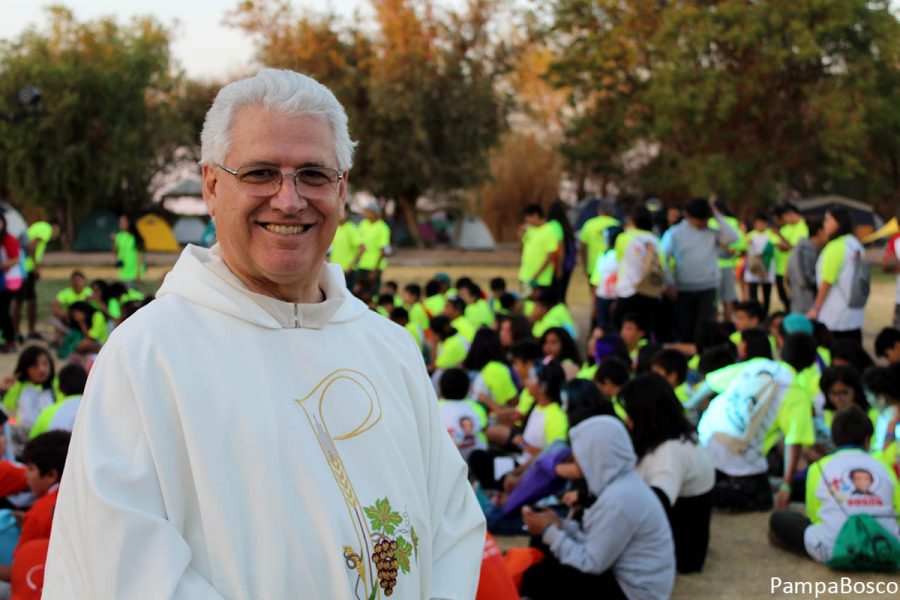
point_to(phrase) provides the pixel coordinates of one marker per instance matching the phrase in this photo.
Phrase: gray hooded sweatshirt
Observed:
(626, 529)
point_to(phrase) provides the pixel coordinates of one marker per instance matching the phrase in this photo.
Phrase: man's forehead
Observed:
(261, 134)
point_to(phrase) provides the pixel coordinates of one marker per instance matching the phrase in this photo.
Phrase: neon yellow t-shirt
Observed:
(128, 254)
(793, 233)
(556, 423)
(345, 245)
(43, 232)
(499, 382)
(451, 352)
(68, 296)
(593, 236)
(464, 328)
(417, 315)
(558, 316)
(99, 330)
(375, 236)
(537, 244)
(434, 305)
(833, 259)
(479, 314)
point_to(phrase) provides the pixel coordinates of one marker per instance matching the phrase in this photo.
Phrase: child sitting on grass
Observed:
(847, 482)
(672, 365)
(44, 458)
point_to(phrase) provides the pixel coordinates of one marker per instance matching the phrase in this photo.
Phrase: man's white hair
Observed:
(286, 91)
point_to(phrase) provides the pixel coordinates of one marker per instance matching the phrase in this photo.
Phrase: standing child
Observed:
(760, 269)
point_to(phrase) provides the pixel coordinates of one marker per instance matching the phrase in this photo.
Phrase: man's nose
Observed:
(288, 199)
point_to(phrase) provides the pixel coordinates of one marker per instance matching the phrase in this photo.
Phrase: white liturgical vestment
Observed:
(230, 445)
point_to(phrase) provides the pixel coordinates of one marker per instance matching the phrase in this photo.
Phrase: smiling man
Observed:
(256, 432)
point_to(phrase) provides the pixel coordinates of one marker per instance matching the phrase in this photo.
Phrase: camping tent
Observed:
(865, 220)
(157, 234)
(96, 232)
(15, 223)
(189, 230)
(474, 235)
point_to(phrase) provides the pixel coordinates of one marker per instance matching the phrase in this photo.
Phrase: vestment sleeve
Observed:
(457, 522)
(111, 534)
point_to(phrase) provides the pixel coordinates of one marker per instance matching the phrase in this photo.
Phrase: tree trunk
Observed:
(406, 209)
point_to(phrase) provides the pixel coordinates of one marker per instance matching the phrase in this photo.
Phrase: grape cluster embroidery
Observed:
(392, 551)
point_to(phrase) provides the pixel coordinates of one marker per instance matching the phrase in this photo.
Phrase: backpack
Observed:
(652, 279)
(860, 284)
(738, 414)
(863, 544)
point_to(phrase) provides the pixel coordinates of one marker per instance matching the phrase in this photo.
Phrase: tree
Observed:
(748, 99)
(419, 91)
(110, 122)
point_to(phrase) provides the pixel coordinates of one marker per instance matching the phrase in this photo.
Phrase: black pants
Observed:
(481, 467)
(552, 580)
(783, 293)
(742, 494)
(644, 307)
(788, 527)
(6, 324)
(690, 308)
(690, 530)
(850, 334)
(766, 300)
(562, 284)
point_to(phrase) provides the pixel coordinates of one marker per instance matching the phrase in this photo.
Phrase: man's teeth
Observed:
(286, 229)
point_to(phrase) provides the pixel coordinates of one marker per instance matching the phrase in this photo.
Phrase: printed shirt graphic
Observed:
(848, 482)
(631, 248)
(465, 421)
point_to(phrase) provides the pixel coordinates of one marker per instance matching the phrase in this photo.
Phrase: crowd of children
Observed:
(702, 411)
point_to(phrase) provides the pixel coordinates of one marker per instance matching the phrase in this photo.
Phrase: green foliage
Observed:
(419, 91)
(109, 125)
(747, 99)
(404, 552)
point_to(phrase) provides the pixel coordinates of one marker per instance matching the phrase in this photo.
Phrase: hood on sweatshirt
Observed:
(604, 451)
(201, 277)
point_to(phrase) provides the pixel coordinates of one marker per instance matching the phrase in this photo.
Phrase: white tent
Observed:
(474, 235)
(16, 224)
(189, 230)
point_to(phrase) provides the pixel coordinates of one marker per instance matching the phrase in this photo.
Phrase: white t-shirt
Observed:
(64, 417)
(631, 263)
(606, 274)
(895, 248)
(534, 429)
(463, 424)
(679, 468)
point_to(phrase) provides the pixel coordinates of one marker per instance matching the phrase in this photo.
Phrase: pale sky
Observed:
(203, 46)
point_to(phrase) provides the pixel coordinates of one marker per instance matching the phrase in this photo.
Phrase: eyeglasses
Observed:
(266, 180)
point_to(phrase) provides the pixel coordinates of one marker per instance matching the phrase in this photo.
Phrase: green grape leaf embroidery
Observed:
(415, 541)
(382, 517)
(404, 550)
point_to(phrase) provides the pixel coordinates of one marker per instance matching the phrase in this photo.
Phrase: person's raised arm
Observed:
(112, 533)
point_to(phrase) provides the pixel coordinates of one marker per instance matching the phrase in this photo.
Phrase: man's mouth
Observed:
(287, 229)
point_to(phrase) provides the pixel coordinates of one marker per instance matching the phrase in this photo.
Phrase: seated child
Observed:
(61, 416)
(464, 419)
(670, 460)
(28, 392)
(672, 366)
(44, 458)
(550, 312)
(611, 375)
(887, 345)
(743, 423)
(623, 546)
(633, 334)
(847, 482)
(412, 302)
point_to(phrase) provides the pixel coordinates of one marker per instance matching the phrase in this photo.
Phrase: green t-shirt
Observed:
(345, 245)
(375, 236)
(556, 423)
(417, 315)
(793, 233)
(587, 371)
(593, 236)
(738, 246)
(499, 382)
(68, 296)
(537, 244)
(451, 352)
(128, 255)
(558, 316)
(42, 231)
(99, 330)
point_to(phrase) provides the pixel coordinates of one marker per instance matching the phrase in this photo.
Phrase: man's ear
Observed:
(209, 181)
